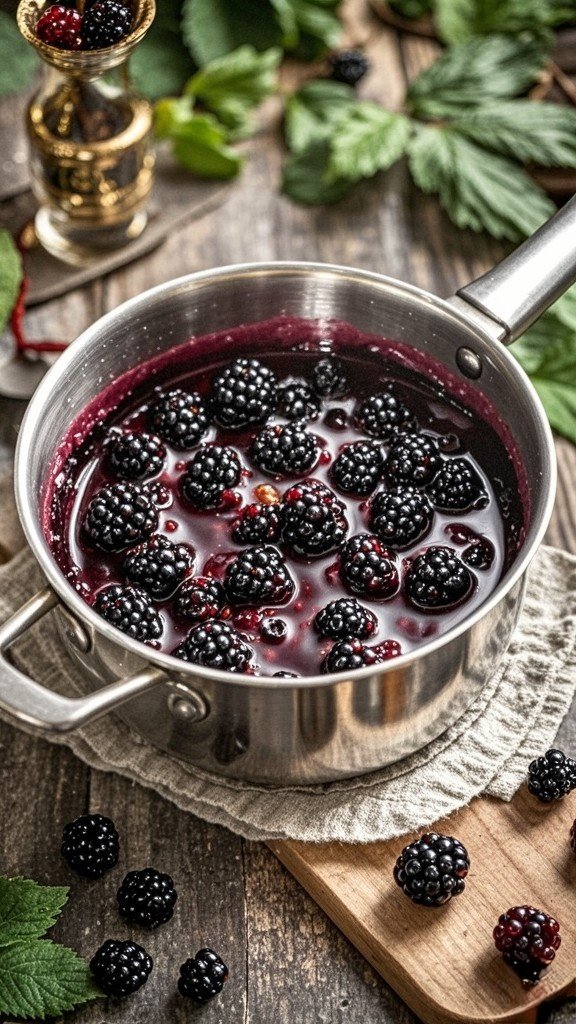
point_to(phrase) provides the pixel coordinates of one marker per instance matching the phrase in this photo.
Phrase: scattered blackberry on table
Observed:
(60, 26)
(296, 400)
(368, 568)
(105, 24)
(129, 609)
(119, 516)
(552, 776)
(258, 576)
(288, 450)
(383, 416)
(438, 579)
(146, 898)
(348, 66)
(346, 655)
(134, 456)
(274, 631)
(213, 469)
(313, 519)
(432, 869)
(329, 378)
(159, 566)
(243, 393)
(202, 976)
(199, 599)
(257, 524)
(120, 968)
(528, 938)
(215, 644)
(180, 417)
(357, 468)
(457, 487)
(90, 845)
(345, 619)
(400, 516)
(413, 459)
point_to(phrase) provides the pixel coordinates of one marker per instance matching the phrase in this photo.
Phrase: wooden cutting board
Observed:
(442, 961)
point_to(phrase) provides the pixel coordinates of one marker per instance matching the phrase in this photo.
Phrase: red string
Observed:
(18, 314)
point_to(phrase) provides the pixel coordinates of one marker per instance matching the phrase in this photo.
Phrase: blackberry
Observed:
(243, 393)
(146, 898)
(348, 66)
(180, 417)
(552, 776)
(413, 459)
(202, 977)
(130, 610)
(60, 26)
(401, 516)
(368, 568)
(288, 450)
(213, 469)
(345, 619)
(285, 675)
(257, 524)
(215, 645)
(329, 378)
(346, 655)
(274, 631)
(313, 519)
(296, 400)
(134, 456)
(358, 467)
(387, 649)
(90, 845)
(120, 968)
(119, 516)
(258, 576)
(438, 579)
(480, 554)
(432, 869)
(105, 24)
(528, 938)
(383, 416)
(457, 487)
(199, 599)
(158, 566)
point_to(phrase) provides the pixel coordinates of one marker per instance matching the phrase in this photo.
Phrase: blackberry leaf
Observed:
(213, 28)
(369, 139)
(18, 61)
(231, 86)
(460, 20)
(10, 274)
(199, 141)
(306, 176)
(314, 111)
(39, 979)
(161, 64)
(523, 130)
(28, 910)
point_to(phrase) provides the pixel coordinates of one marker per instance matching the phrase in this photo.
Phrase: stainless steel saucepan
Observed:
(316, 728)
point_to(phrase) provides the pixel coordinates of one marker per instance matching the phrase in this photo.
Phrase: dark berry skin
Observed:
(158, 566)
(134, 456)
(313, 519)
(552, 776)
(357, 468)
(368, 568)
(288, 450)
(400, 516)
(432, 869)
(438, 579)
(130, 610)
(105, 24)
(119, 516)
(274, 631)
(213, 469)
(344, 619)
(383, 416)
(348, 66)
(257, 524)
(242, 394)
(413, 459)
(528, 938)
(457, 487)
(329, 378)
(480, 554)
(146, 898)
(179, 417)
(347, 655)
(258, 576)
(202, 977)
(90, 845)
(120, 968)
(215, 644)
(60, 26)
(295, 400)
(199, 599)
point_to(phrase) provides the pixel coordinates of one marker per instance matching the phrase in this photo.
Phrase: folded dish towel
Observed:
(515, 718)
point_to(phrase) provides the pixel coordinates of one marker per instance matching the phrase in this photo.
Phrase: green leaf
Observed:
(478, 189)
(475, 73)
(315, 110)
(231, 86)
(367, 140)
(161, 64)
(306, 176)
(39, 978)
(200, 145)
(540, 132)
(318, 26)
(460, 20)
(18, 60)
(10, 276)
(286, 19)
(213, 28)
(28, 910)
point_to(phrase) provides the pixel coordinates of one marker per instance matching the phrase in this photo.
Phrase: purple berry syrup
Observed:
(462, 420)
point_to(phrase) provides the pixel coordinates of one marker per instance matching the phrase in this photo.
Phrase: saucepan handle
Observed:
(520, 288)
(34, 705)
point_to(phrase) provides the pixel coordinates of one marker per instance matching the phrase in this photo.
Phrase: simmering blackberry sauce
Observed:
(436, 408)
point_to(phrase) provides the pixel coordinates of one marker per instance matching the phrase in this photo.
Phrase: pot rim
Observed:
(44, 393)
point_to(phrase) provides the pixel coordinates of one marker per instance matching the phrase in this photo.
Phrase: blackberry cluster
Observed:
(438, 579)
(457, 487)
(295, 400)
(400, 516)
(480, 554)
(346, 655)
(213, 469)
(180, 417)
(345, 619)
(432, 870)
(119, 516)
(413, 459)
(258, 576)
(257, 524)
(383, 416)
(120, 968)
(199, 599)
(358, 467)
(329, 378)
(288, 450)
(313, 520)
(134, 456)
(146, 898)
(158, 566)
(130, 610)
(60, 26)
(243, 393)
(528, 938)
(215, 644)
(90, 845)
(105, 23)
(368, 568)
(348, 66)
(552, 776)
(202, 976)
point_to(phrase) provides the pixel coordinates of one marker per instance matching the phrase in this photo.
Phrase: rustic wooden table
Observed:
(288, 963)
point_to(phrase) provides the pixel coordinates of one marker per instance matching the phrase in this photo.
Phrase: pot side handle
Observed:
(39, 708)
(520, 288)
